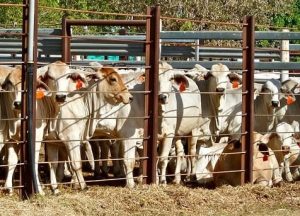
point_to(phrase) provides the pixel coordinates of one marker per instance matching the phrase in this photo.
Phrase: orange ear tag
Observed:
(289, 100)
(78, 84)
(39, 94)
(265, 158)
(235, 84)
(182, 87)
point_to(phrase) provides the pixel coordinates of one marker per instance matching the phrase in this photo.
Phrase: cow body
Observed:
(84, 98)
(181, 115)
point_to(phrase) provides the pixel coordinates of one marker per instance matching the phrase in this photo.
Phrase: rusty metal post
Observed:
(152, 61)
(248, 98)
(66, 46)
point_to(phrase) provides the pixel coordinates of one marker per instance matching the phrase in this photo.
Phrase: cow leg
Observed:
(62, 167)
(287, 169)
(12, 160)
(104, 156)
(73, 149)
(140, 152)
(52, 152)
(166, 145)
(89, 154)
(114, 150)
(179, 160)
(36, 165)
(192, 143)
(129, 160)
(96, 151)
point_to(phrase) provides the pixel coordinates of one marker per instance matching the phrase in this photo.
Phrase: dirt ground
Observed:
(159, 200)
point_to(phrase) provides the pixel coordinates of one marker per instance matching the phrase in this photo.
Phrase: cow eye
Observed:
(112, 79)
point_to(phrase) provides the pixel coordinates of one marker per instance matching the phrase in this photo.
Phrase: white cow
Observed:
(12, 110)
(180, 109)
(284, 141)
(85, 98)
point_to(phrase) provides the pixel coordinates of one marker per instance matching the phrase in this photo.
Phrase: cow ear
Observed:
(234, 144)
(182, 81)
(208, 75)
(297, 136)
(93, 76)
(267, 137)
(140, 79)
(42, 90)
(289, 85)
(290, 97)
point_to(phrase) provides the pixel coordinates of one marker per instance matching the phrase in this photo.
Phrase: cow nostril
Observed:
(275, 104)
(162, 98)
(60, 98)
(220, 90)
(17, 104)
(130, 99)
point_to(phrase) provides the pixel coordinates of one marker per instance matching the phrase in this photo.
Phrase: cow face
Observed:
(282, 139)
(13, 85)
(112, 87)
(169, 80)
(270, 93)
(55, 76)
(218, 78)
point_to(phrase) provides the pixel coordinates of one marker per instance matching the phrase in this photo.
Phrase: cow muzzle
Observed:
(163, 99)
(285, 149)
(17, 105)
(60, 98)
(275, 104)
(220, 90)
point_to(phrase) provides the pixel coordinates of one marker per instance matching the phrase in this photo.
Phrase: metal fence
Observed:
(181, 49)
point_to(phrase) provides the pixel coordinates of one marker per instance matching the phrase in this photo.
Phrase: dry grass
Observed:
(154, 200)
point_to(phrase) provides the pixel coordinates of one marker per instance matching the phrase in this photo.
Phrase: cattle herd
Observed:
(95, 111)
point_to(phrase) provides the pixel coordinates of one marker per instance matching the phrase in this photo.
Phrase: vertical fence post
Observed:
(66, 34)
(151, 85)
(248, 98)
(25, 182)
(29, 57)
(285, 56)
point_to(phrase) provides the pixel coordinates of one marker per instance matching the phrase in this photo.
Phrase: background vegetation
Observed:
(277, 13)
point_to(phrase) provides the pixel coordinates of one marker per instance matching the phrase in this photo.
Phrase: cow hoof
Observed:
(278, 184)
(176, 182)
(130, 185)
(41, 193)
(140, 179)
(55, 191)
(163, 182)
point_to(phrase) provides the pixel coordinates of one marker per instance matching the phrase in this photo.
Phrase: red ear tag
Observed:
(266, 157)
(39, 94)
(289, 100)
(182, 87)
(235, 84)
(78, 84)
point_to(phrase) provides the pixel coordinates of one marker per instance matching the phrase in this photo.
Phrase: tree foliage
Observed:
(267, 12)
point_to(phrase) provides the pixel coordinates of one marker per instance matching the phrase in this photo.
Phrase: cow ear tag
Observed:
(182, 87)
(39, 94)
(289, 100)
(265, 158)
(235, 84)
(78, 84)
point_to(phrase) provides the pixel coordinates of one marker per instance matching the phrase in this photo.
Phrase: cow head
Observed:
(282, 139)
(220, 78)
(13, 85)
(170, 79)
(270, 92)
(55, 76)
(112, 86)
